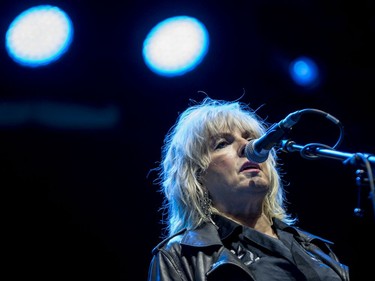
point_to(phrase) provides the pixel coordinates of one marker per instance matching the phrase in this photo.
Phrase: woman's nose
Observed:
(242, 148)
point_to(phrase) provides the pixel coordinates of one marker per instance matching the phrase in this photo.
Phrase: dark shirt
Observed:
(272, 259)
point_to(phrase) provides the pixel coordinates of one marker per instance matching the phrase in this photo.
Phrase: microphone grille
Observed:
(253, 155)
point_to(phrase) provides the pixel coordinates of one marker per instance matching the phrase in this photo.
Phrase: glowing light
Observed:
(175, 46)
(304, 71)
(39, 36)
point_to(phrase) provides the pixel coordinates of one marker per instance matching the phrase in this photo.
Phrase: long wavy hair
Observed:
(185, 156)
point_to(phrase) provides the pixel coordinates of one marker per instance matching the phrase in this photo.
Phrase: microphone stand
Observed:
(316, 150)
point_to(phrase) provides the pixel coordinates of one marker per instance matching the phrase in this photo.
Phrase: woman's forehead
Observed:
(244, 130)
(231, 123)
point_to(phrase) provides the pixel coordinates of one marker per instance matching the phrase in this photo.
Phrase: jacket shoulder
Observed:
(301, 234)
(169, 241)
(309, 237)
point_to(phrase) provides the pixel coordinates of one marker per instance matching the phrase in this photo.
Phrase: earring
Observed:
(206, 205)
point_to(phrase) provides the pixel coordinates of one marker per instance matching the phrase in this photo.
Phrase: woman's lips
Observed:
(250, 166)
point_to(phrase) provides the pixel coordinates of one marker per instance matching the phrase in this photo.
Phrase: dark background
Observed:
(79, 137)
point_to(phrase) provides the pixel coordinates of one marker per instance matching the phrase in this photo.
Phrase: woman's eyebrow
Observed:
(248, 134)
(222, 135)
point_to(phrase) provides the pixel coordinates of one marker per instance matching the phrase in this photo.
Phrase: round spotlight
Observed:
(304, 72)
(39, 36)
(175, 46)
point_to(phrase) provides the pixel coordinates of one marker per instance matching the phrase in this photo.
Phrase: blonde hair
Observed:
(185, 156)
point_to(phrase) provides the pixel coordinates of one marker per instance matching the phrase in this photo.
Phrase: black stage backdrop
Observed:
(79, 201)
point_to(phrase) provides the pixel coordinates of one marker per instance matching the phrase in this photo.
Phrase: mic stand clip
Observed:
(316, 150)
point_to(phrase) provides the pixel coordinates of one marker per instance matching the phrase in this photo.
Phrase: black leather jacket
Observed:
(199, 255)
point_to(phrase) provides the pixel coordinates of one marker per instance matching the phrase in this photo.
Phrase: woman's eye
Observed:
(221, 144)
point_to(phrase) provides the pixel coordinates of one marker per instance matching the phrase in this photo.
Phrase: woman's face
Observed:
(234, 182)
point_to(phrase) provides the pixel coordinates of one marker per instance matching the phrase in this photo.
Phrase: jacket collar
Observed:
(207, 235)
(203, 236)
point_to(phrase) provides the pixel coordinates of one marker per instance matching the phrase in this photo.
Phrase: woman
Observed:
(226, 217)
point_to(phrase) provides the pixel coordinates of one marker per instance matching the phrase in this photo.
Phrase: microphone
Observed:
(257, 150)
